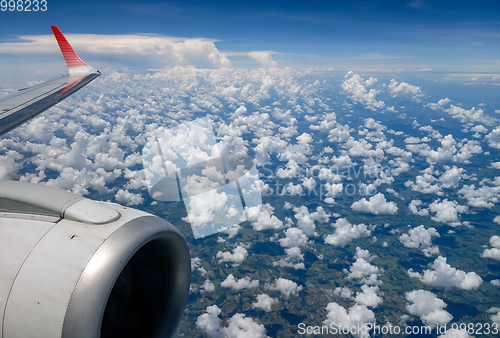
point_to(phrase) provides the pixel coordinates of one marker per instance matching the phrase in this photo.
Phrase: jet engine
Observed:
(73, 267)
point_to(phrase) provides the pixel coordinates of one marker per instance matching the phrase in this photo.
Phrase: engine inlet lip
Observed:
(89, 298)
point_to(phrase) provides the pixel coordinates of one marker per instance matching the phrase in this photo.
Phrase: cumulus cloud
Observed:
(294, 259)
(264, 59)
(365, 254)
(442, 275)
(128, 198)
(305, 219)
(8, 164)
(428, 307)
(156, 50)
(424, 183)
(236, 285)
(265, 302)
(450, 150)
(494, 252)
(452, 176)
(294, 238)
(354, 87)
(208, 286)
(238, 256)
(493, 138)
(262, 218)
(439, 105)
(447, 211)
(362, 269)
(481, 197)
(285, 286)
(239, 326)
(196, 265)
(346, 232)
(376, 205)
(369, 296)
(209, 322)
(421, 238)
(356, 316)
(404, 89)
(468, 115)
(414, 208)
(495, 317)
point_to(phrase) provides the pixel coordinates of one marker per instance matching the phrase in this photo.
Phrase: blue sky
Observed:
(458, 36)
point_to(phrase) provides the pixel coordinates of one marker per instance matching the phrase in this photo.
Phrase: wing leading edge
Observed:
(26, 103)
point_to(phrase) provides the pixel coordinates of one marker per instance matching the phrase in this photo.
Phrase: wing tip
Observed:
(74, 63)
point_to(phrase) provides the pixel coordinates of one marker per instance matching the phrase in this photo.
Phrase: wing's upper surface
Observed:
(17, 108)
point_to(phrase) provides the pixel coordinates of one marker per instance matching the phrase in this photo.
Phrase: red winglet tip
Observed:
(72, 60)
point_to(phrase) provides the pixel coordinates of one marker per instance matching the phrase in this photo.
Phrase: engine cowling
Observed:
(73, 267)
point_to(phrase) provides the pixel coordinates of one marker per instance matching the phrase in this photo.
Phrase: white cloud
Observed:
(204, 207)
(356, 316)
(236, 285)
(265, 302)
(363, 270)
(294, 237)
(285, 286)
(305, 219)
(343, 292)
(493, 138)
(208, 286)
(404, 89)
(8, 164)
(346, 232)
(262, 218)
(421, 238)
(128, 198)
(238, 256)
(495, 317)
(294, 259)
(466, 116)
(196, 265)
(210, 322)
(439, 105)
(448, 150)
(362, 148)
(354, 87)
(365, 254)
(423, 183)
(447, 211)
(340, 133)
(494, 252)
(482, 197)
(444, 276)
(369, 296)
(414, 208)
(376, 205)
(239, 326)
(428, 307)
(154, 50)
(452, 176)
(263, 58)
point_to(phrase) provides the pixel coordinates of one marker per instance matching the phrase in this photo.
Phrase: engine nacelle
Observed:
(72, 267)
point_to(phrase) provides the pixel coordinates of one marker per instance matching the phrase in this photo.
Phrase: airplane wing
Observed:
(26, 103)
